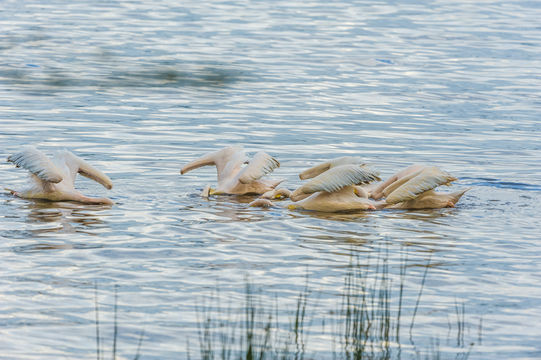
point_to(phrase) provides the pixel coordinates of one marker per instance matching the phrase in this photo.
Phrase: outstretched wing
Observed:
(428, 179)
(337, 178)
(401, 178)
(37, 163)
(78, 165)
(321, 168)
(261, 165)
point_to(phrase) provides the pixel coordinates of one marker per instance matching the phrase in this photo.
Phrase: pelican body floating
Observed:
(54, 178)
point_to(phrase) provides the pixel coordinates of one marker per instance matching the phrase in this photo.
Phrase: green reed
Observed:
(366, 323)
(366, 312)
(99, 341)
(254, 334)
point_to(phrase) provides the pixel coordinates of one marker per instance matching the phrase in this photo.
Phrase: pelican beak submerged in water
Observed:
(233, 177)
(413, 188)
(336, 189)
(346, 184)
(54, 178)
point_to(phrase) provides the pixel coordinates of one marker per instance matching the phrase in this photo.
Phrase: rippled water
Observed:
(140, 88)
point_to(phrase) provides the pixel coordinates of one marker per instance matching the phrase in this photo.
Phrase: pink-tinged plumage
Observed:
(413, 188)
(54, 178)
(345, 184)
(335, 189)
(237, 174)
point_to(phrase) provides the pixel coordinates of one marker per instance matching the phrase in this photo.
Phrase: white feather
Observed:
(428, 179)
(339, 177)
(262, 164)
(321, 168)
(37, 163)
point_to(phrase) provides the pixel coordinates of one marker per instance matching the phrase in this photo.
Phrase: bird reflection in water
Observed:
(431, 216)
(360, 232)
(64, 217)
(234, 209)
(46, 219)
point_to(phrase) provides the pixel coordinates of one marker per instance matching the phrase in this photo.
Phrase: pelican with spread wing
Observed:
(54, 178)
(337, 189)
(414, 188)
(237, 174)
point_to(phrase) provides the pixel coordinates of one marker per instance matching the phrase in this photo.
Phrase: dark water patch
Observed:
(16, 234)
(385, 61)
(207, 76)
(47, 247)
(501, 184)
(37, 78)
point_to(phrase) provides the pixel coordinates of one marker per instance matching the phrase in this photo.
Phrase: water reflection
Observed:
(138, 87)
(341, 216)
(501, 184)
(358, 240)
(426, 215)
(38, 247)
(422, 232)
(64, 217)
(223, 209)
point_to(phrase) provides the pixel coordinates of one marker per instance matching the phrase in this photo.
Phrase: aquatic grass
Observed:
(99, 341)
(423, 281)
(97, 321)
(366, 314)
(369, 324)
(366, 325)
(253, 334)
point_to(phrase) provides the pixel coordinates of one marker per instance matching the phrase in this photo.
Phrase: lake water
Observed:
(140, 88)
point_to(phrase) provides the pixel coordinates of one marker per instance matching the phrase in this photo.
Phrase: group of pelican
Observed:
(344, 184)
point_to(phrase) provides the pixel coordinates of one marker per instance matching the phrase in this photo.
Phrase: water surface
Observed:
(140, 88)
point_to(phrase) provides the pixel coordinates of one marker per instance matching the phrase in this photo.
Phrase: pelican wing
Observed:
(415, 170)
(37, 163)
(261, 165)
(78, 165)
(321, 168)
(337, 178)
(230, 164)
(428, 179)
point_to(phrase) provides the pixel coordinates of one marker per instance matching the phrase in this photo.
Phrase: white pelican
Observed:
(335, 190)
(233, 178)
(321, 168)
(413, 188)
(53, 179)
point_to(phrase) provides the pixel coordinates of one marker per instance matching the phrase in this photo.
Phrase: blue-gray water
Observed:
(140, 88)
